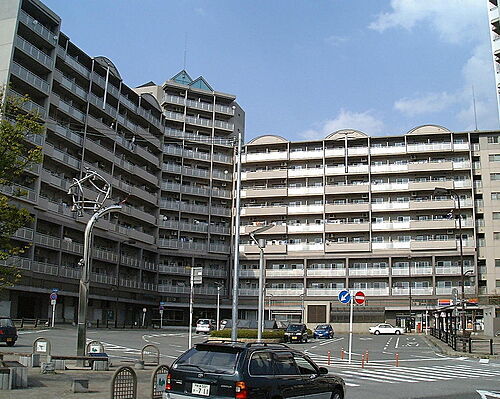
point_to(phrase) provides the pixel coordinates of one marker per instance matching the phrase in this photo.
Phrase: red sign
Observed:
(359, 298)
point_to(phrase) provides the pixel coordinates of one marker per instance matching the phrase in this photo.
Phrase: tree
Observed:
(16, 154)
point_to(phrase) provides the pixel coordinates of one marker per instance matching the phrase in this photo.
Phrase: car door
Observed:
(261, 372)
(315, 385)
(288, 380)
(385, 329)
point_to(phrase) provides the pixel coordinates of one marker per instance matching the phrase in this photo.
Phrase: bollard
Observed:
(342, 354)
(363, 361)
(397, 359)
(329, 357)
(366, 357)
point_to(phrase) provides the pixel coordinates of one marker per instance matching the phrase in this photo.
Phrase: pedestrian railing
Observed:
(467, 344)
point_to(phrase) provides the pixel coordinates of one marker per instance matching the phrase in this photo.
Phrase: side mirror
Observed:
(323, 370)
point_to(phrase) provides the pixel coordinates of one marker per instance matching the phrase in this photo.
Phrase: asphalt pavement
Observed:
(420, 371)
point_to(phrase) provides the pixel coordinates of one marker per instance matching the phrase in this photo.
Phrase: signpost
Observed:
(144, 310)
(162, 308)
(196, 278)
(346, 297)
(53, 301)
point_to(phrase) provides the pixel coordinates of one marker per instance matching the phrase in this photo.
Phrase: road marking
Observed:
(486, 394)
(30, 332)
(397, 343)
(484, 361)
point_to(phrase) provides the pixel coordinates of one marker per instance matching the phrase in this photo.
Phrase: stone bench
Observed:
(99, 363)
(18, 374)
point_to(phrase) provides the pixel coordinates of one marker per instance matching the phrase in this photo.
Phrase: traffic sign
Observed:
(162, 308)
(55, 289)
(163, 303)
(359, 298)
(53, 302)
(53, 296)
(344, 296)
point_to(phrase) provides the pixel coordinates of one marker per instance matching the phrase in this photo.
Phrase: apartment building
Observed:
(360, 212)
(494, 18)
(167, 150)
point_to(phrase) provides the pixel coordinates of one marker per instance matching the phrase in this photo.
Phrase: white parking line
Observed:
(397, 343)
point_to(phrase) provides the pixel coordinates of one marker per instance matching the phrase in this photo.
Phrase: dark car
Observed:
(323, 331)
(296, 333)
(8, 332)
(216, 369)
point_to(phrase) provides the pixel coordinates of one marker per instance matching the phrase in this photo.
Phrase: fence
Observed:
(467, 344)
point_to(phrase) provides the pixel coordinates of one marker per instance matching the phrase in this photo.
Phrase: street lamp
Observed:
(302, 306)
(261, 243)
(270, 299)
(219, 287)
(447, 191)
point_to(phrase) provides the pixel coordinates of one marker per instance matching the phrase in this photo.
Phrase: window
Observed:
(304, 365)
(496, 216)
(495, 176)
(495, 196)
(284, 364)
(220, 361)
(261, 364)
(497, 262)
(498, 284)
(493, 139)
(496, 235)
(494, 157)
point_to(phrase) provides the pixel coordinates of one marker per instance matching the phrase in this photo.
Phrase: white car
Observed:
(384, 328)
(205, 326)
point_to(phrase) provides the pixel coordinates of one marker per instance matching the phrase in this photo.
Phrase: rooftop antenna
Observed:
(474, 105)
(185, 48)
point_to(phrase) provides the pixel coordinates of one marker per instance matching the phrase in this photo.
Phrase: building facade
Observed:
(359, 212)
(494, 18)
(167, 152)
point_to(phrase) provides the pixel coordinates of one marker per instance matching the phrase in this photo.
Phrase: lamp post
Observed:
(302, 306)
(446, 191)
(219, 287)
(409, 292)
(270, 299)
(261, 243)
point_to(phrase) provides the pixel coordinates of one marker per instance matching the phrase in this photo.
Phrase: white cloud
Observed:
(363, 121)
(454, 20)
(335, 40)
(428, 103)
(200, 11)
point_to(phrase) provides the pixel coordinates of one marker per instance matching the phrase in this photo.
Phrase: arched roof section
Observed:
(107, 63)
(268, 139)
(340, 134)
(428, 129)
(152, 100)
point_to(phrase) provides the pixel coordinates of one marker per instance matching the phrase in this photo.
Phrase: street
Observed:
(421, 372)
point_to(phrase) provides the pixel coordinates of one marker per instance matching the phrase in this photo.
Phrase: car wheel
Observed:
(305, 340)
(398, 332)
(337, 394)
(12, 343)
(377, 332)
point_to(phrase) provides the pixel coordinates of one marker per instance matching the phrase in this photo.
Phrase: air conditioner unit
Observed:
(364, 196)
(450, 232)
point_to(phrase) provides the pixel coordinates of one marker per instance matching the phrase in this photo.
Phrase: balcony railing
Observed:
(414, 291)
(30, 77)
(370, 271)
(285, 291)
(34, 52)
(326, 272)
(329, 292)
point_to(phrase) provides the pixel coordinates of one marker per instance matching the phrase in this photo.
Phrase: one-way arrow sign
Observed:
(344, 296)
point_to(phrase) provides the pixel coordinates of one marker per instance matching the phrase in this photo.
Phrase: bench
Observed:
(13, 374)
(96, 362)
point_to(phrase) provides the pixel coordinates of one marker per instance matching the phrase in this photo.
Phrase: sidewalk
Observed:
(443, 348)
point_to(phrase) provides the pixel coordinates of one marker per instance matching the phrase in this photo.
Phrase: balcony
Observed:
(19, 192)
(449, 290)
(431, 245)
(386, 150)
(219, 248)
(67, 133)
(369, 271)
(304, 209)
(313, 154)
(306, 172)
(430, 166)
(105, 254)
(248, 292)
(357, 151)
(372, 291)
(130, 261)
(263, 210)
(384, 226)
(47, 240)
(249, 273)
(388, 206)
(34, 52)
(328, 292)
(37, 27)
(347, 188)
(265, 174)
(334, 152)
(265, 156)
(415, 271)
(347, 247)
(346, 227)
(70, 85)
(358, 169)
(391, 245)
(430, 185)
(431, 205)
(424, 147)
(301, 191)
(305, 228)
(138, 214)
(75, 64)
(450, 269)
(284, 272)
(24, 234)
(390, 187)
(270, 249)
(306, 247)
(30, 78)
(348, 207)
(326, 272)
(278, 229)
(335, 170)
(264, 192)
(285, 291)
(446, 224)
(414, 291)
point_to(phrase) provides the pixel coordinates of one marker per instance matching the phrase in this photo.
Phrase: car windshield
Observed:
(203, 322)
(322, 327)
(220, 360)
(294, 327)
(6, 323)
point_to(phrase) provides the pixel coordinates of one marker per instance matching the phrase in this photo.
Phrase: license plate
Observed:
(294, 337)
(9, 339)
(200, 389)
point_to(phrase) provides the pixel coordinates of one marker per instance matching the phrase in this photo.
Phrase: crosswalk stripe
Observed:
(417, 376)
(383, 376)
(468, 372)
(478, 369)
(347, 374)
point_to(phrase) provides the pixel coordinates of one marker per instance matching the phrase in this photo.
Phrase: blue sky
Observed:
(302, 68)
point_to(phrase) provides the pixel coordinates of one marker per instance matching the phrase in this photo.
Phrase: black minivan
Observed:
(8, 331)
(226, 369)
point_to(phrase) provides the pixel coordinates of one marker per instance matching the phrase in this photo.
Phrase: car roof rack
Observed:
(267, 344)
(221, 341)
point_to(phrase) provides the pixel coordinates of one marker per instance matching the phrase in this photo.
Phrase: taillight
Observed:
(168, 386)
(241, 390)
(1, 331)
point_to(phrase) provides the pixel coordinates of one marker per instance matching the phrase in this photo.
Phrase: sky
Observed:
(303, 69)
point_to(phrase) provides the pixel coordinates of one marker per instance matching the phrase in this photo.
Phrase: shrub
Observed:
(266, 334)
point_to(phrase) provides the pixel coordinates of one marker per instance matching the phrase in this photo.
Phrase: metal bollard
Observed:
(363, 361)
(342, 354)
(329, 357)
(366, 356)
(397, 359)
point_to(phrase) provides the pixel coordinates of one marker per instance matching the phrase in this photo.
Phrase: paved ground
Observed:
(422, 373)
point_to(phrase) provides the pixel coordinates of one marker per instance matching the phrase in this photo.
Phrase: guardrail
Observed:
(22, 323)
(467, 344)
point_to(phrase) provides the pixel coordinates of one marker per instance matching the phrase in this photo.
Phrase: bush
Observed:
(266, 334)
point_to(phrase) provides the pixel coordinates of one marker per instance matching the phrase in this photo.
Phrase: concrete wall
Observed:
(8, 21)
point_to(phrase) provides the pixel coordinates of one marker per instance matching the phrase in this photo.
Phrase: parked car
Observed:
(205, 326)
(296, 333)
(216, 369)
(385, 328)
(8, 331)
(323, 331)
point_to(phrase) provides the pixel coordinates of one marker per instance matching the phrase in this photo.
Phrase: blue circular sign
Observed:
(53, 296)
(344, 296)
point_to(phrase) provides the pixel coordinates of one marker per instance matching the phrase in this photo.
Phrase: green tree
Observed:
(16, 154)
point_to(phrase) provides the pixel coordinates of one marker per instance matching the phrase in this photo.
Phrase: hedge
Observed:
(226, 333)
